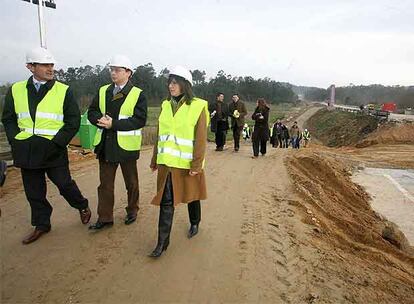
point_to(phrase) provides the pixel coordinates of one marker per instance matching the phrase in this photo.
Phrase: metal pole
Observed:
(41, 24)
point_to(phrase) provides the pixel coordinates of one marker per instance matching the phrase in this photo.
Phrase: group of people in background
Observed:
(283, 137)
(220, 113)
(279, 134)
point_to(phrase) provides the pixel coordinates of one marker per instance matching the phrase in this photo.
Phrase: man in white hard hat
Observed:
(41, 117)
(119, 110)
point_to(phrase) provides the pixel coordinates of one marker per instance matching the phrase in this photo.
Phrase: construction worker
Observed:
(119, 110)
(261, 128)
(306, 137)
(40, 118)
(179, 156)
(237, 111)
(219, 120)
(295, 135)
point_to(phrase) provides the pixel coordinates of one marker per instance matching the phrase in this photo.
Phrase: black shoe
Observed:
(99, 225)
(193, 231)
(130, 218)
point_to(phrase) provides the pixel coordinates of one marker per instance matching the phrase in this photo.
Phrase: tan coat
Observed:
(186, 188)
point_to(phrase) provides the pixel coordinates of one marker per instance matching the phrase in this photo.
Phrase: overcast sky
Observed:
(314, 43)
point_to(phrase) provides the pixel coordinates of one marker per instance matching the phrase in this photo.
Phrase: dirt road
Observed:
(247, 249)
(254, 244)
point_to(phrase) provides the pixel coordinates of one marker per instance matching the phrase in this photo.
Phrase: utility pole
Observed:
(40, 4)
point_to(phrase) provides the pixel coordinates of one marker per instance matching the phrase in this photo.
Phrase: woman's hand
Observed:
(193, 173)
(153, 168)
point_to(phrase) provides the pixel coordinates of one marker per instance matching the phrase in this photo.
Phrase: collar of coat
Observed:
(124, 91)
(49, 84)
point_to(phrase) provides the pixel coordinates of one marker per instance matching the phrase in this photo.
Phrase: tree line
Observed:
(86, 80)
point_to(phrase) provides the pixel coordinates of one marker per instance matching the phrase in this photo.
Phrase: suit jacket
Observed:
(239, 106)
(219, 124)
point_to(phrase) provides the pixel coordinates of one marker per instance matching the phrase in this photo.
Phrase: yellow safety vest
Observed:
(49, 112)
(127, 140)
(176, 133)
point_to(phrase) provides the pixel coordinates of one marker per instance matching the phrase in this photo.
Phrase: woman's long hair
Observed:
(185, 88)
(261, 104)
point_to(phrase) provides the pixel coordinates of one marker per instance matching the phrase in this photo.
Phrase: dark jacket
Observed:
(277, 131)
(38, 152)
(261, 125)
(108, 149)
(239, 106)
(285, 132)
(219, 123)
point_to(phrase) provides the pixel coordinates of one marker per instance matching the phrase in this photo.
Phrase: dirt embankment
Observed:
(362, 249)
(337, 129)
(389, 134)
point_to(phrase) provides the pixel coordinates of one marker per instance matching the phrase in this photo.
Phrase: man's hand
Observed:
(105, 122)
(153, 168)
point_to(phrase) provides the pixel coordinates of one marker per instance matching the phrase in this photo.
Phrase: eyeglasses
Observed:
(116, 69)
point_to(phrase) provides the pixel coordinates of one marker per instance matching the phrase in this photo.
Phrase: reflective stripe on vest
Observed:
(127, 140)
(49, 112)
(175, 139)
(176, 133)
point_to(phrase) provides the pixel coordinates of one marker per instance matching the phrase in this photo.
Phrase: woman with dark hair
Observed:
(179, 156)
(261, 127)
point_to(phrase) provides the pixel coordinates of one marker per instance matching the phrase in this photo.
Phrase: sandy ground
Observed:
(259, 241)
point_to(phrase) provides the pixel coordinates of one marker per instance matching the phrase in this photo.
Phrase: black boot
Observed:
(193, 231)
(194, 213)
(164, 229)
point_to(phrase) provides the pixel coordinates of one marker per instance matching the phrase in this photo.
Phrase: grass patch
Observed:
(337, 128)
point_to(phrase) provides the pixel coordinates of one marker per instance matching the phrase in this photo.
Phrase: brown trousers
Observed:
(107, 172)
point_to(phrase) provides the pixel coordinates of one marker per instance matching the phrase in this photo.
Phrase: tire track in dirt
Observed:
(272, 244)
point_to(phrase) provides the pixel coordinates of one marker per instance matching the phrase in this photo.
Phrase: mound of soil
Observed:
(337, 128)
(389, 134)
(370, 254)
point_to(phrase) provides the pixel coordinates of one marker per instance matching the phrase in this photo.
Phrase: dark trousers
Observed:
(295, 142)
(278, 141)
(236, 136)
(34, 182)
(106, 200)
(194, 212)
(259, 142)
(220, 138)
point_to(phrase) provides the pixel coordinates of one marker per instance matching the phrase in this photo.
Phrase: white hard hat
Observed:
(39, 55)
(121, 61)
(182, 72)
